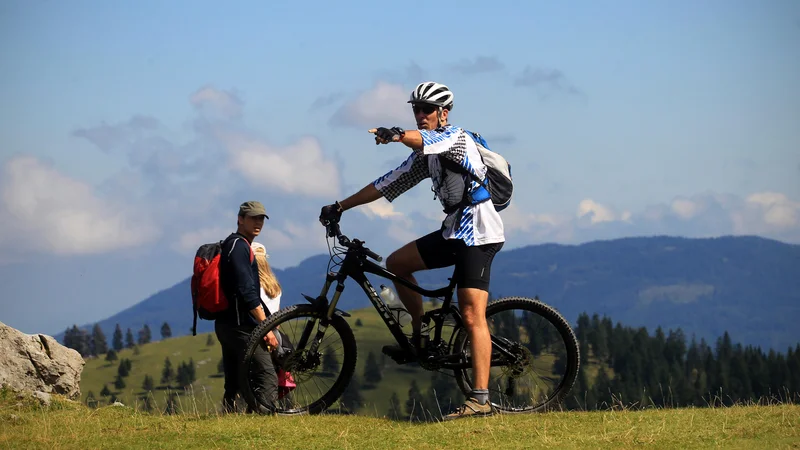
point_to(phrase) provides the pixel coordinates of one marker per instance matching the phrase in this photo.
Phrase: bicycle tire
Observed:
(554, 318)
(338, 323)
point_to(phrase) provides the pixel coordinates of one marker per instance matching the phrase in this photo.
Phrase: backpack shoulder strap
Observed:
(458, 168)
(478, 139)
(252, 255)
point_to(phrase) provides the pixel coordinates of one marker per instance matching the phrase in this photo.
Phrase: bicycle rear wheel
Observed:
(322, 362)
(542, 359)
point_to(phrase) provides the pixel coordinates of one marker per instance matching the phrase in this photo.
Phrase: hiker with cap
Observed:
(239, 280)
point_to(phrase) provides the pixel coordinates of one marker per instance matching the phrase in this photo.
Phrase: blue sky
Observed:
(131, 131)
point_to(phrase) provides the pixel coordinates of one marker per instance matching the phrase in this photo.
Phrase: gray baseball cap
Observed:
(252, 208)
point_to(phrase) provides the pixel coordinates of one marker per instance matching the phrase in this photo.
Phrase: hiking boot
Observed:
(471, 408)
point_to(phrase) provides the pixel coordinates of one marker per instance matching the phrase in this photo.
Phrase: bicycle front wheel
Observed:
(535, 356)
(321, 362)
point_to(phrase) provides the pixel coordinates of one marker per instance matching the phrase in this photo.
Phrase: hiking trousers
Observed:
(263, 378)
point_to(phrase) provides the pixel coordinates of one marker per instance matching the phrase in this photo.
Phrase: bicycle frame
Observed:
(356, 266)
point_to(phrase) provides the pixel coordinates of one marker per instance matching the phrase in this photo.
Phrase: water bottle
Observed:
(395, 306)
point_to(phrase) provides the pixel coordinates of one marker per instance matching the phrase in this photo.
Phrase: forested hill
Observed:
(748, 286)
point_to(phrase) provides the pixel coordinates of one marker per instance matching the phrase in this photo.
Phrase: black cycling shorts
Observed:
(473, 264)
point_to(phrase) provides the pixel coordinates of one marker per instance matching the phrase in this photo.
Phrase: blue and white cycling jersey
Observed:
(476, 224)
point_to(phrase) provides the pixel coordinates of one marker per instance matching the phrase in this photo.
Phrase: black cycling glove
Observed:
(331, 213)
(388, 134)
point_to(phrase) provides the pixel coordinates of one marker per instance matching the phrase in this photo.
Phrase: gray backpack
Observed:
(498, 182)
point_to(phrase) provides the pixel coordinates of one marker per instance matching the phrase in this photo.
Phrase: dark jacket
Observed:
(239, 281)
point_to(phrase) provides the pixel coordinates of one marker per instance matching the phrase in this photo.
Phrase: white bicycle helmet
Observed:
(432, 93)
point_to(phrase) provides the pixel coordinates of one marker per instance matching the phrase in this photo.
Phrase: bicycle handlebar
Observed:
(333, 230)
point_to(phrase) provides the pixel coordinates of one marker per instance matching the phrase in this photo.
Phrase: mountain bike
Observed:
(531, 342)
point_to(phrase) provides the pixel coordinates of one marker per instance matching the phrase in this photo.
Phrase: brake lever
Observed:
(333, 229)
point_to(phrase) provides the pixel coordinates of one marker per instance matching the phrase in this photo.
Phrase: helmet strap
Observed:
(439, 116)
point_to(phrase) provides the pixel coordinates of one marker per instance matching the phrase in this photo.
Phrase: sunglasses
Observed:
(425, 108)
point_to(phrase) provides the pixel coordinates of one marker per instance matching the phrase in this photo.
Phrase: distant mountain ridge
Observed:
(749, 286)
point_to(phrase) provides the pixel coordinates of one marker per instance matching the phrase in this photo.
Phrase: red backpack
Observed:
(208, 300)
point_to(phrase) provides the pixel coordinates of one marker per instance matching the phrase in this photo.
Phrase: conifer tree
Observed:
(167, 373)
(442, 394)
(144, 335)
(129, 342)
(166, 331)
(330, 364)
(147, 403)
(91, 401)
(395, 410)
(148, 384)
(99, 340)
(415, 408)
(119, 383)
(116, 341)
(352, 399)
(372, 371)
(78, 340)
(123, 370)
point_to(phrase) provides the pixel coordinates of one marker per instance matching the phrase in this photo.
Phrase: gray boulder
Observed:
(38, 363)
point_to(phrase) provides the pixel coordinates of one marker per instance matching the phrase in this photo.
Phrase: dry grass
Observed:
(66, 424)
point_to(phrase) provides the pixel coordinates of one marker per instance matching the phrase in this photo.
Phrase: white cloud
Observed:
(224, 103)
(276, 235)
(776, 209)
(380, 208)
(383, 105)
(47, 210)
(596, 211)
(399, 227)
(273, 238)
(684, 208)
(767, 214)
(294, 235)
(300, 168)
(191, 240)
(527, 227)
(401, 233)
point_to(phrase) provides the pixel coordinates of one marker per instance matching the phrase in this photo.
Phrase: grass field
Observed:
(24, 424)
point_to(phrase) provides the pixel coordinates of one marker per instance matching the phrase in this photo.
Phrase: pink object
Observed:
(285, 383)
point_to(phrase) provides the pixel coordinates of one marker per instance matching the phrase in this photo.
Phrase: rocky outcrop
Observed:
(38, 363)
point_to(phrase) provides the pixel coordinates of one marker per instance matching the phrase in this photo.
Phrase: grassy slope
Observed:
(372, 336)
(72, 425)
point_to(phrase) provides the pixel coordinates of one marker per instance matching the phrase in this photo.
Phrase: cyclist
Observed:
(470, 235)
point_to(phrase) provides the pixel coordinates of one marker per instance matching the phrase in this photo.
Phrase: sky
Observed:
(131, 131)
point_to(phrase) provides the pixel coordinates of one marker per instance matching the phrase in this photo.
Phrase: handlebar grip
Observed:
(373, 255)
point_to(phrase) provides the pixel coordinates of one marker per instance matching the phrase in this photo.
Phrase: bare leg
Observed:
(403, 263)
(472, 303)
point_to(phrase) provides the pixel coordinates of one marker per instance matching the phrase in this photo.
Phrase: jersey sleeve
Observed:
(407, 175)
(449, 142)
